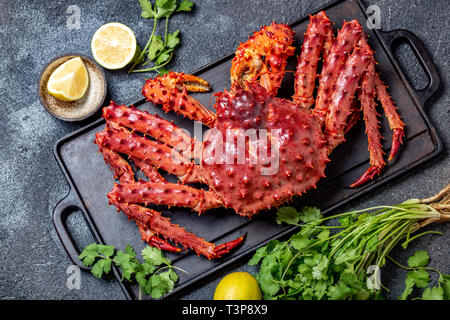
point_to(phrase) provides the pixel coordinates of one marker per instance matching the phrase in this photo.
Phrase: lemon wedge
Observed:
(238, 286)
(113, 45)
(69, 81)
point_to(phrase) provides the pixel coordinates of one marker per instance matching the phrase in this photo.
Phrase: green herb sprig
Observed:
(155, 275)
(316, 263)
(159, 50)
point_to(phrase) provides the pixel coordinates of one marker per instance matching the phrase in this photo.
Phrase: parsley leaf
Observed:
(290, 215)
(185, 5)
(156, 46)
(172, 39)
(419, 259)
(435, 293)
(147, 9)
(444, 281)
(154, 256)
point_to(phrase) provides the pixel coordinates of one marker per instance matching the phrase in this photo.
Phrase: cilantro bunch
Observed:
(155, 275)
(159, 50)
(316, 263)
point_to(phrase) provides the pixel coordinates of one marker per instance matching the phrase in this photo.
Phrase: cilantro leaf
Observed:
(435, 293)
(185, 5)
(419, 259)
(147, 9)
(259, 254)
(163, 56)
(159, 286)
(154, 256)
(420, 277)
(444, 282)
(299, 241)
(100, 267)
(408, 288)
(165, 8)
(129, 249)
(172, 39)
(310, 214)
(288, 215)
(93, 251)
(156, 46)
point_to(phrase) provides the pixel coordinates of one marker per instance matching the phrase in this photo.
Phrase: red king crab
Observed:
(303, 131)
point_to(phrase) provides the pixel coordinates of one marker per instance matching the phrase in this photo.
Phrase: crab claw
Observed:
(171, 90)
(397, 140)
(369, 174)
(224, 248)
(264, 55)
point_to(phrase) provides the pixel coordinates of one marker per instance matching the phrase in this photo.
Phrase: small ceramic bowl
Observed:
(74, 110)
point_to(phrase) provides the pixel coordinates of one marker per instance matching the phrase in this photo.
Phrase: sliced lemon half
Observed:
(69, 81)
(113, 45)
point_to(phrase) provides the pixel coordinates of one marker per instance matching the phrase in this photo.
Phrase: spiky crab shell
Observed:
(300, 151)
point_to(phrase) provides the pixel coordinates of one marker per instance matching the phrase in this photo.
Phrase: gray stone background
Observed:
(32, 261)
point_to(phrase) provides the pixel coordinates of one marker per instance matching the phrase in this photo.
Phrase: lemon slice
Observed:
(69, 81)
(113, 45)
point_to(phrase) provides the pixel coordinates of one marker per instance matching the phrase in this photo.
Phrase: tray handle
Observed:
(422, 56)
(62, 209)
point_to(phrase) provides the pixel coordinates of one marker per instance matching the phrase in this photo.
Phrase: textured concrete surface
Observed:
(33, 262)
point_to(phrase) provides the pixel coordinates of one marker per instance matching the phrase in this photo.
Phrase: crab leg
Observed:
(395, 122)
(170, 194)
(162, 226)
(123, 172)
(333, 64)
(390, 110)
(171, 90)
(151, 125)
(342, 98)
(317, 34)
(153, 152)
(367, 98)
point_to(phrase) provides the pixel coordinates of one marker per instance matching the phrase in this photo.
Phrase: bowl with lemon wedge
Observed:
(72, 87)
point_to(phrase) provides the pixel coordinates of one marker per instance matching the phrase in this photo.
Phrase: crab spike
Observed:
(263, 56)
(368, 175)
(313, 44)
(154, 241)
(171, 90)
(166, 194)
(348, 36)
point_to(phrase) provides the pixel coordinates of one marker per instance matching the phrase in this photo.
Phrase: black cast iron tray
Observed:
(90, 179)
